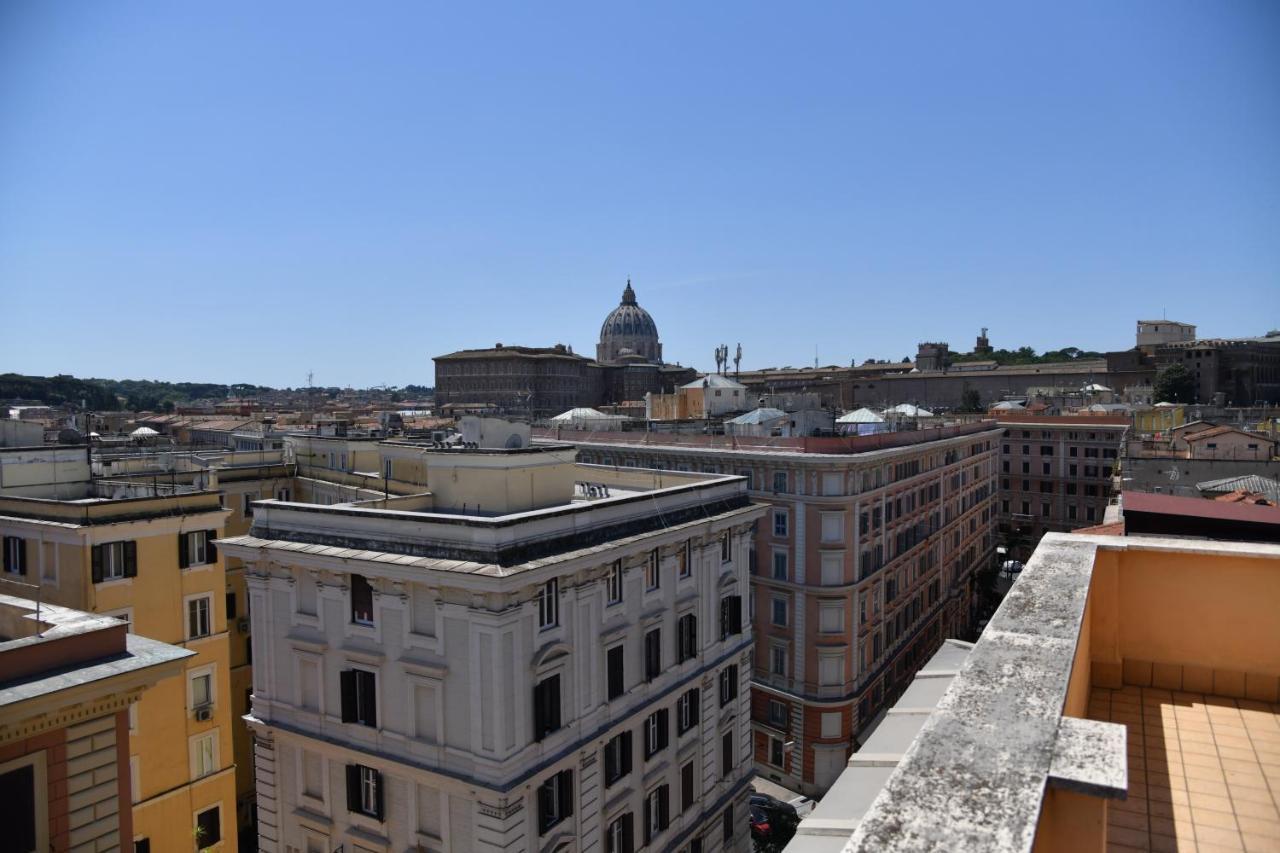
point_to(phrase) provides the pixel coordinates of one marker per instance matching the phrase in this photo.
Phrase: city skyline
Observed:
(850, 181)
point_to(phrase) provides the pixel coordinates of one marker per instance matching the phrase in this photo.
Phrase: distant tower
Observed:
(983, 346)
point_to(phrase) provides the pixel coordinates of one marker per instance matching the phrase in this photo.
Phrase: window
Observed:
(199, 619)
(364, 791)
(727, 826)
(204, 755)
(730, 616)
(361, 600)
(686, 786)
(546, 706)
(555, 800)
(209, 827)
(115, 560)
(687, 710)
(779, 609)
(780, 523)
(202, 690)
(652, 654)
(779, 481)
(142, 845)
(728, 684)
(15, 555)
(231, 605)
(686, 557)
(23, 786)
(196, 548)
(549, 604)
(778, 714)
(726, 548)
(652, 572)
(831, 668)
(284, 495)
(620, 836)
(778, 660)
(780, 565)
(615, 582)
(617, 758)
(614, 675)
(655, 733)
(359, 697)
(686, 637)
(776, 757)
(830, 617)
(655, 813)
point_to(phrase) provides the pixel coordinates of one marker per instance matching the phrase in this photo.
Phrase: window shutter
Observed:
(22, 556)
(347, 681)
(539, 713)
(626, 753)
(628, 833)
(7, 566)
(694, 704)
(648, 820)
(664, 807)
(553, 688)
(564, 780)
(97, 563)
(353, 785)
(211, 550)
(544, 808)
(131, 559)
(735, 613)
(377, 790)
(612, 763)
(184, 551)
(662, 728)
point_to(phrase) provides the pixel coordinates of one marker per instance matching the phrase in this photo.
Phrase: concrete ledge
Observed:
(1090, 758)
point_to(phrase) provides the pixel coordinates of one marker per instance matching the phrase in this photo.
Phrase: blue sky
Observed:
(247, 191)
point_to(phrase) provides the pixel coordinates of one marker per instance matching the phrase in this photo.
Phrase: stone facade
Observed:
(466, 702)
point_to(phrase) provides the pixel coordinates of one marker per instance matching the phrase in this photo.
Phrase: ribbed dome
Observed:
(629, 327)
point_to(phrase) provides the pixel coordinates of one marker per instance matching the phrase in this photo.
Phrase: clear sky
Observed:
(242, 192)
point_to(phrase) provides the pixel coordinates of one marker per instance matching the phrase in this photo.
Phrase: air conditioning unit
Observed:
(243, 626)
(204, 714)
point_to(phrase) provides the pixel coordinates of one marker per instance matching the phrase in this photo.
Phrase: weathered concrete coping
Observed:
(975, 776)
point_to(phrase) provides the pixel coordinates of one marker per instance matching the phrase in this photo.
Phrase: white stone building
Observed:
(572, 676)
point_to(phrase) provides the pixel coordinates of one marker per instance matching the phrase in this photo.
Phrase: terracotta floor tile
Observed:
(1211, 817)
(1128, 820)
(1237, 754)
(1169, 844)
(1202, 786)
(1264, 796)
(1233, 741)
(1135, 805)
(1221, 839)
(1254, 826)
(1128, 837)
(1249, 810)
(1245, 778)
(1201, 759)
(1261, 844)
(1208, 772)
(1159, 810)
(1113, 847)
(1212, 802)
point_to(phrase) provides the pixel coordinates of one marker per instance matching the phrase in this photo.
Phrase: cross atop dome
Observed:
(628, 295)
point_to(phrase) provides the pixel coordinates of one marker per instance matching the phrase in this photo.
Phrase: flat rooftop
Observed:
(586, 507)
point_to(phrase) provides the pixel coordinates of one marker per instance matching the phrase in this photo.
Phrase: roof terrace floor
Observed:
(1204, 771)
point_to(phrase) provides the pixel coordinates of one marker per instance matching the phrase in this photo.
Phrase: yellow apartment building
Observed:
(143, 553)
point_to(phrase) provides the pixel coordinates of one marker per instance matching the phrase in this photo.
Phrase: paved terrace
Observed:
(1124, 695)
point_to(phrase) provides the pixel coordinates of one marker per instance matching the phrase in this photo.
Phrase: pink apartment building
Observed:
(863, 565)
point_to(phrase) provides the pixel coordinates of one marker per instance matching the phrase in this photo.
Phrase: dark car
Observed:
(773, 822)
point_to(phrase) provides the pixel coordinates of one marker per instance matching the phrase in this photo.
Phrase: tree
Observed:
(1175, 384)
(970, 400)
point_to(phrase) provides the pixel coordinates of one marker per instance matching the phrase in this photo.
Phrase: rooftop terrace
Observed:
(1063, 728)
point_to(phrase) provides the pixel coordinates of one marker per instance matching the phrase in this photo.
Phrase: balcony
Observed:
(1125, 696)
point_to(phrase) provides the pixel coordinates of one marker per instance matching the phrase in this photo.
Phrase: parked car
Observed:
(773, 822)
